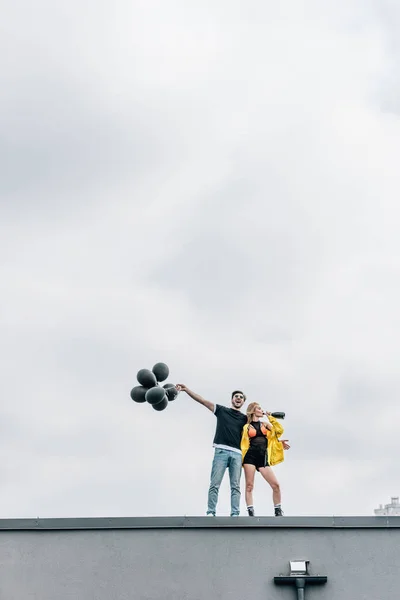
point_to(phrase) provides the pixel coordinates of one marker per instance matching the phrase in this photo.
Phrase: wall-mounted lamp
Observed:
(298, 567)
(299, 577)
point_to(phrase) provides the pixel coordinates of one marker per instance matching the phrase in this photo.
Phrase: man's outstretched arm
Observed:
(181, 387)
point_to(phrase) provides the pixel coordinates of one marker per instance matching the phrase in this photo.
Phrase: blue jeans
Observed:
(225, 459)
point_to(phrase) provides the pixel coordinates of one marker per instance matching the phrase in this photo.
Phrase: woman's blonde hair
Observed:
(251, 409)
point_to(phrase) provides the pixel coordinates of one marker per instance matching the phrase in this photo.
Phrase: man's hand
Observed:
(181, 387)
(285, 444)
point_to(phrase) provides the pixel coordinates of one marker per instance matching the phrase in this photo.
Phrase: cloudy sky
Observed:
(214, 185)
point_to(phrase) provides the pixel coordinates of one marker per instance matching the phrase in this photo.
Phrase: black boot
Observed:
(250, 510)
(278, 511)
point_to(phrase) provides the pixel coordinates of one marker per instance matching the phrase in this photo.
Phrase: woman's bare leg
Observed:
(270, 478)
(249, 472)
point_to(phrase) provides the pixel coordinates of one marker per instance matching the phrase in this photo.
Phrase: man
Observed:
(227, 455)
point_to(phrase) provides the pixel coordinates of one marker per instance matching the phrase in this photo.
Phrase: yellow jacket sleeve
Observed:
(245, 443)
(276, 425)
(275, 447)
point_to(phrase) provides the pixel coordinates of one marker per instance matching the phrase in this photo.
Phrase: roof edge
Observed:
(187, 522)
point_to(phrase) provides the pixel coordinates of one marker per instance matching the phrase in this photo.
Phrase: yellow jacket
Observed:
(274, 448)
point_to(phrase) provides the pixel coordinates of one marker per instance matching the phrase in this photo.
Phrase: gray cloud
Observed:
(214, 187)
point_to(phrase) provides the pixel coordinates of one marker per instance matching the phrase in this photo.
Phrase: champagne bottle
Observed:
(278, 415)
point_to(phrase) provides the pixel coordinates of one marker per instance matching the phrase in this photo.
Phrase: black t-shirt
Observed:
(230, 423)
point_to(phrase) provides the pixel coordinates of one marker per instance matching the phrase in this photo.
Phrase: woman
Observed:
(261, 449)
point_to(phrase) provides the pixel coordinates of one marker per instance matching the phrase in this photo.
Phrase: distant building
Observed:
(392, 509)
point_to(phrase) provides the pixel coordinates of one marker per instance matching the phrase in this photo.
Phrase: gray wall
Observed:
(198, 561)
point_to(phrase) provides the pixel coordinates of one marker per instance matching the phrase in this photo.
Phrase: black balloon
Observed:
(150, 389)
(155, 395)
(161, 405)
(161, 371)
(138, 393)
(171, 391)
(146, 378)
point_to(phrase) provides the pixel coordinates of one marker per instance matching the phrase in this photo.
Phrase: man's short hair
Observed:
(238, 392)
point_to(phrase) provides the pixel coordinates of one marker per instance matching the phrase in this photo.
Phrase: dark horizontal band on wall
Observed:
(199, 522)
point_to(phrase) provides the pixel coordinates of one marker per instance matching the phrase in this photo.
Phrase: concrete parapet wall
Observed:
(197, 558)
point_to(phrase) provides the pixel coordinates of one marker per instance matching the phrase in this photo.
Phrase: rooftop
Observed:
(185, 522)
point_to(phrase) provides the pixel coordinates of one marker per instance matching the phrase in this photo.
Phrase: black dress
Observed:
(257, 453)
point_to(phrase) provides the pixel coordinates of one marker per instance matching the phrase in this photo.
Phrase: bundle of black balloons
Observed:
(150, 390)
